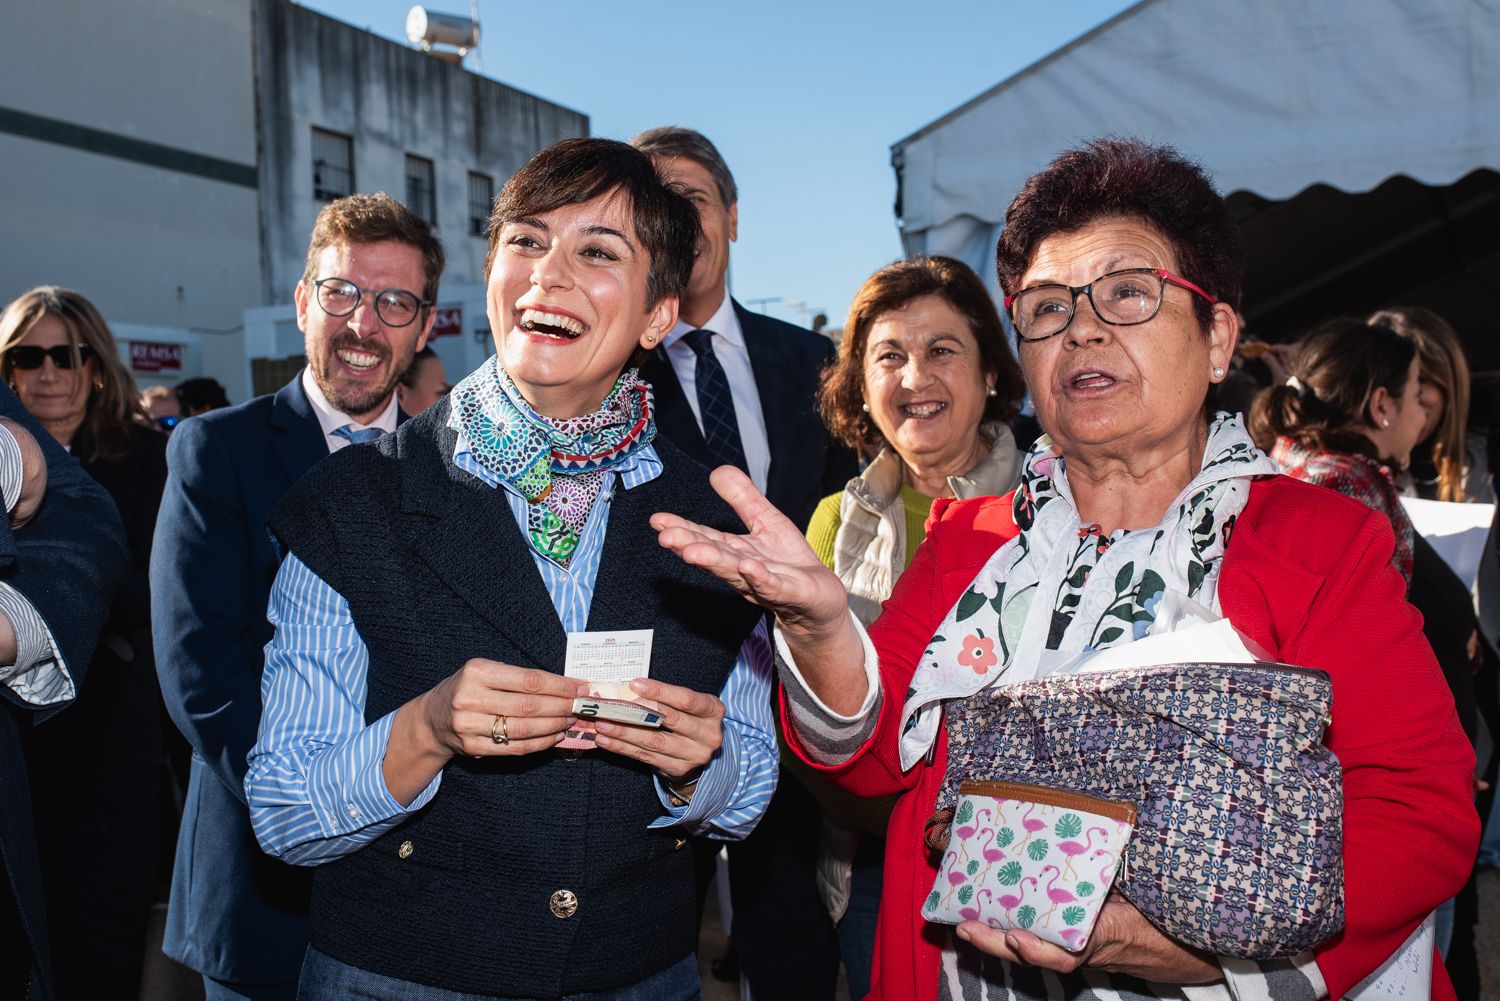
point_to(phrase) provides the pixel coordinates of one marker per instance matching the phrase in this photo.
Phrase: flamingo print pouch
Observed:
(1025, 856)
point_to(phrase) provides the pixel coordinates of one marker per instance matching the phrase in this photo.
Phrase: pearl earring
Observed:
(1385, 422)
(865, 407)
(1218, 373)
(992, 392)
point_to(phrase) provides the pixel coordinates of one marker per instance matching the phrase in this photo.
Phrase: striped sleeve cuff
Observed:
(713, 792)
(736, 787)
(1295, 979)
(38, 677)
(11, 468)
(830, 738)
(346, 786)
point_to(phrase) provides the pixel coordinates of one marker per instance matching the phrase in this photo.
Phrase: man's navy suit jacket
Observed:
(235, 913)
(67, 562)
(787, 361)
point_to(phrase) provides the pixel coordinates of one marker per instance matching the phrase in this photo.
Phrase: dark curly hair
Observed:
(1115, 177)
(843, 390)
(1338, 367)
(375, 219)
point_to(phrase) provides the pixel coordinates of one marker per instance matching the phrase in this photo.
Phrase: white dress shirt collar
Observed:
(330, 420)
(725, 322)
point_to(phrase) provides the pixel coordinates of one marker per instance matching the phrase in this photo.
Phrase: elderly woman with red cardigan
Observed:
(1123, 276)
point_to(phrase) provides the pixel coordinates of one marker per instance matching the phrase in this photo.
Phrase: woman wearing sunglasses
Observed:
(95, 770)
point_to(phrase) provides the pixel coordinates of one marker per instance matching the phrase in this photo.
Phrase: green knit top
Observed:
(824, 526)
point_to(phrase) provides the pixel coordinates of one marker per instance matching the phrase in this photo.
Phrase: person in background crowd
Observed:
(423, 383)
(926, 383)
(461, 853)
(364, 307)
(62, 559)
(200, 395)
(737, 388)
(1447, 452)
(97, 814)
(162, 407)
(1123, 272)
(1347, 417)
(1449, 464)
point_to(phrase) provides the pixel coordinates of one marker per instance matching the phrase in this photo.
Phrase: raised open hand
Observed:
(772, 565)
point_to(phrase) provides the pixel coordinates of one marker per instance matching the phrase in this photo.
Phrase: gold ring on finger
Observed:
(500, 732)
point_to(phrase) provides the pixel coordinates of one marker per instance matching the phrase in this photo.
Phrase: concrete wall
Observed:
(156, 156)
(127, 138)
(312, 70)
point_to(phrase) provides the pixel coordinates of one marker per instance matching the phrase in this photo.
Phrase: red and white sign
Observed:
(154, 356)
(447, 321)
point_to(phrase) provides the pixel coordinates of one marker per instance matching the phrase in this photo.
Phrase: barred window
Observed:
(421, 188)
(333, 165)
(481, 198)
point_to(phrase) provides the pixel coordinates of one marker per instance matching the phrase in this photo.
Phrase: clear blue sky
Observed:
(804, 101)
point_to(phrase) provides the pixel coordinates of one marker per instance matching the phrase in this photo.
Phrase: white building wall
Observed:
(314, 71)
(156, 155)
(127, 156)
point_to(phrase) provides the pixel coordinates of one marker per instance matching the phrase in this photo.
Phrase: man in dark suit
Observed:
(738, 388)
(364, 307)
(62, 555)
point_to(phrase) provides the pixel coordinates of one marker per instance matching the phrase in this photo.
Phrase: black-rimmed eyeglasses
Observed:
(1120, 299)
(396, 307)
(29, 356)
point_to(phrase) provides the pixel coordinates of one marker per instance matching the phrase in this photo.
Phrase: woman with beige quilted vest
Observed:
(926, 382)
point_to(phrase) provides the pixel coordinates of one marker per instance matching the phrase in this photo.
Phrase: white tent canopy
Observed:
(1271, 97)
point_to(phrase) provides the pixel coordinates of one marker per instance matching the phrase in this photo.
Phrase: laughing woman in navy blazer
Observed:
(414, 690)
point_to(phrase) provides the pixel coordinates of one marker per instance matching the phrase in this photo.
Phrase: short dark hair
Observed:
(408, 378)
(673, 140)
(1338, 367)
(375, 219)
(574, 171)
(841, 395)
(201, 394)
(1131, 179)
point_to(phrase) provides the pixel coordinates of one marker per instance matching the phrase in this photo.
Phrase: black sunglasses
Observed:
(29, 356)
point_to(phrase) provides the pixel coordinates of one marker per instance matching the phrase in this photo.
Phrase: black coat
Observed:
(67, 562)
(806, 464)
(235, 913)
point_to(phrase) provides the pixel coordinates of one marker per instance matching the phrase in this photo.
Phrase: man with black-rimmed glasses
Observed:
(364, 305)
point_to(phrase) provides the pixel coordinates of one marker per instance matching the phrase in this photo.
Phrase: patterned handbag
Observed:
(1238, 843)
(1021, 856)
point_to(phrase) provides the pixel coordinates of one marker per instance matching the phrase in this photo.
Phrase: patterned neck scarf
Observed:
(557, 464)
(1060, 585)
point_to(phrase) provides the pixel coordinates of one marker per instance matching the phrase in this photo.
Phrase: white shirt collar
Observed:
(330, 420)
(725, 322)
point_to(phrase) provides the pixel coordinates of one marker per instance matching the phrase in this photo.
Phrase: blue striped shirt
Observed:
(38, 675)
(315, 785)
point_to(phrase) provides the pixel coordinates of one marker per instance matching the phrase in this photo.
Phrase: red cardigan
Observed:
(1308, 576)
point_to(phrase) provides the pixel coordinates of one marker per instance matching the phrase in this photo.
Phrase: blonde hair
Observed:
(113, 402)
(1445, 368)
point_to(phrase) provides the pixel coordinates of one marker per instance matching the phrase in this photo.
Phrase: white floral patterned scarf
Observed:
(1061, 586)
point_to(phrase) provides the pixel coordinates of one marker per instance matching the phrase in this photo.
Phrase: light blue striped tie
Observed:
(356, 435)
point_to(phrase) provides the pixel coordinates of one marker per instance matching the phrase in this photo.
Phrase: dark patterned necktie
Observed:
(721, 430)
(357, 435)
